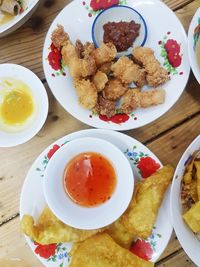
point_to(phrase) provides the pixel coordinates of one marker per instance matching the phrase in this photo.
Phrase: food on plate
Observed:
(102, 251)
(129, 72)
(140, 219)
(192, 217)
(103, 82)
(190, 193)
(122, 34)
(89, 179)
(134, 99)
(114, 89)
(12, 7)
(49, 229)
(198, 52)
(86, 92)
(100, 79)
(118, 231)
(156, 75)
(17, 105)
(105, 107)
(104, 54)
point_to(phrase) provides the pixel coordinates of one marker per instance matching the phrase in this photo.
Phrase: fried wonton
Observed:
(102, 251)
(140, 219)
(197, 166)
(118, 231)
(192, 217)
(50, 230)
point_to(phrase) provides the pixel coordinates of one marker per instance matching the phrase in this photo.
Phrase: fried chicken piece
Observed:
(106, 68)
(88, 49)
(156, 75)
(130, 101)
(134, 99)
(128, 72)
(114, 89)
(59, 37)
(105, 107)
(87, 93)
(100, 79)
(79, 48)
(79, 68)
(152, 97)
(105, 53)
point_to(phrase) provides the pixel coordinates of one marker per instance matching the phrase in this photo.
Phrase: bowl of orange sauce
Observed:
(88, 183)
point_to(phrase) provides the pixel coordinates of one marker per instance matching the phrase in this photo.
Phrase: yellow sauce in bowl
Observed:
(5, 17)
(16, 104)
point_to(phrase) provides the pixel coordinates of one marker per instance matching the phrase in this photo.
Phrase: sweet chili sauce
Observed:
(89, 179)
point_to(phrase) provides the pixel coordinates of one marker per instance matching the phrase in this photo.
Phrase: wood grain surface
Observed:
(167, 137)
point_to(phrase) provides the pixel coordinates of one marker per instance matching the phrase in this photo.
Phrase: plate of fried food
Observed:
(137, 238)
(98, 86)
(185, 201)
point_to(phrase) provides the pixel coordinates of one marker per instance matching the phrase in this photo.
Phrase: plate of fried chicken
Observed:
(104, 90)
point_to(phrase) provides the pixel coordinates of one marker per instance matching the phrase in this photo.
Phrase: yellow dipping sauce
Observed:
(17, 105)
(5, 17)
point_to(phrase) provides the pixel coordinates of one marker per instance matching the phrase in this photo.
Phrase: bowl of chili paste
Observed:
(123, 26)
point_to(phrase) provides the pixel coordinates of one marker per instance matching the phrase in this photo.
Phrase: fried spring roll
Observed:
(10, 6)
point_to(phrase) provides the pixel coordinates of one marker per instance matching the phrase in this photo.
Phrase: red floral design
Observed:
(147, 166)
(102, 4)
(142, 249)
(174, 59)
(55, 57)
(52, 151)
(118, 118)
(45, 251)
(173, 53)
(172, 46)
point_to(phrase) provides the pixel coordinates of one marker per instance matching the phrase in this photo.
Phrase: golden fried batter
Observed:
(59, 37)
(114, 89)
(105, 107)
(105, 53)
(50, 230)
(100, 79)
(141, 217)
(156, 75)
(128, 72)
(87, 93)
(106, 68)
(130, 101)
(102, 251)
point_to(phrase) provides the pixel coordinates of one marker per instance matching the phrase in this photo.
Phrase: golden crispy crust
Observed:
(114, 89)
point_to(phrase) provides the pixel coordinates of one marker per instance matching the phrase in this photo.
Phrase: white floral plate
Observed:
(33, 201)
(77, 19)
(188, 240)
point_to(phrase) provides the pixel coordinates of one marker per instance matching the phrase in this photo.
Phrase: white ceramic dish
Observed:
(9, 139)
(188, 241)
(79, 25)
(193, 41)
(20, 19)
(117, 14)
(82, 217)
(33, 201)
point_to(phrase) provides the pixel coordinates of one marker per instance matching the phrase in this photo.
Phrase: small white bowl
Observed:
(78, 216)
(188, 241)
(20, 19)
(117, 14)
(14, 138)
(193, 39)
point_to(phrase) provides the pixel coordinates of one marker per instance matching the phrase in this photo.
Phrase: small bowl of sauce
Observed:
(23, 105)
(121, 25)
(86, 180)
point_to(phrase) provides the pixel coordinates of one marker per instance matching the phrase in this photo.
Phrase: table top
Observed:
(167, 137)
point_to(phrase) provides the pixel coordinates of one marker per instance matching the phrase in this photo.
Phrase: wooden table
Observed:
(167, 137)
